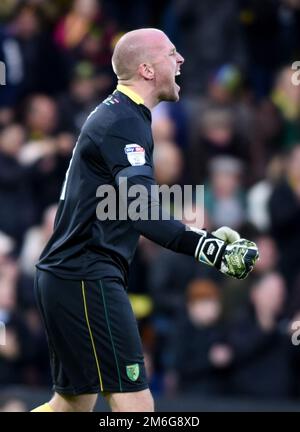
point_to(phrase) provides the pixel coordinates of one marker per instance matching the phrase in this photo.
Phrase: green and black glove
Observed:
(225, 250)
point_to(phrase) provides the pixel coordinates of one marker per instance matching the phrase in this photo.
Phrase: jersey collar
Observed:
(131, 94)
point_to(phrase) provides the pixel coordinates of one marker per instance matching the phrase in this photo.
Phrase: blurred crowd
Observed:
(236, 130)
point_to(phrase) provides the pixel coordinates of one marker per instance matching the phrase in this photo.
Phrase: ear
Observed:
(146, 71)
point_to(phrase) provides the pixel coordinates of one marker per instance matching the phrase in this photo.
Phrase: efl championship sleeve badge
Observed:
(135, 154)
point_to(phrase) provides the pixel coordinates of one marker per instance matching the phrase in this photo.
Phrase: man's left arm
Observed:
(222, 249)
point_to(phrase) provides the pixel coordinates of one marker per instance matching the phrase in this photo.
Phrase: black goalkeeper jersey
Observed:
(115, 141)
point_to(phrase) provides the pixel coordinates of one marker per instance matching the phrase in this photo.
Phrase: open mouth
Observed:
(177, 74)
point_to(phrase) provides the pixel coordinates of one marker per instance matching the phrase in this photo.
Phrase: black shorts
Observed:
(92, 335)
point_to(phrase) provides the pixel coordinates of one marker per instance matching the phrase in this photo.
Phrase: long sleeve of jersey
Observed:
(139, 192)
(127, 150)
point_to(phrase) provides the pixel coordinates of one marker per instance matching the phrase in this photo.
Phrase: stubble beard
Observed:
(170, 95)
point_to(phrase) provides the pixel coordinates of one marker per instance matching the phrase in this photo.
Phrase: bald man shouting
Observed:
(82, 274)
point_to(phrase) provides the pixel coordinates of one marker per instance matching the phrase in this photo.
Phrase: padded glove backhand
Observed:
(225, 250)
(239, 258)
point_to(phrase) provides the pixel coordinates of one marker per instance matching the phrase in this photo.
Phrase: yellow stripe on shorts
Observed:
(91, 335)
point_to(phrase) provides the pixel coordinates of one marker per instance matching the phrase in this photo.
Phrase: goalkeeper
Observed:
(82, 273)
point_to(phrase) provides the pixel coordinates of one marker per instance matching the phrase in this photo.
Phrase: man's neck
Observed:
(146, 95)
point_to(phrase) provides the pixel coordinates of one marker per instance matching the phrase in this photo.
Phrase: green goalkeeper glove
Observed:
(225, 250)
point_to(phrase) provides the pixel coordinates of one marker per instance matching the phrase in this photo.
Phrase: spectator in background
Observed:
(170, 122)
(286, 98)
(168, 163)
(268, 256)
(224, 196)
(284, 207)
(269, 27)
(7, 7)
(19, 49)
(235, 294)
(18, 348)
(24, 40)
(259, 194)
(24, 357)
(82, 96)
(9, 403)
(214, 135)
(225, 85)
(35, 240)
(293, 310)
(47, 154)
(7, 116)
(167, 287)
(163, 126)
(40, 116)
(85, 33)
(260, 24)
(16, 202)
(200, 354)
(266, 145)
(47, 173)
(137, 14)
(218, 39)
(260, 345)
(226, 90)
(169, 135)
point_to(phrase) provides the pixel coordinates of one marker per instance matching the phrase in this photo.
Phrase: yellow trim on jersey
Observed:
(91, 334)
(130, 93)
(43, 408)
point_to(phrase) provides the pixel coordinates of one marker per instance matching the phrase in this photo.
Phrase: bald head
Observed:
(134, 48)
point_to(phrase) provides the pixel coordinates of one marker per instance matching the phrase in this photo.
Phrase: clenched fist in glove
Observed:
(225, 250)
